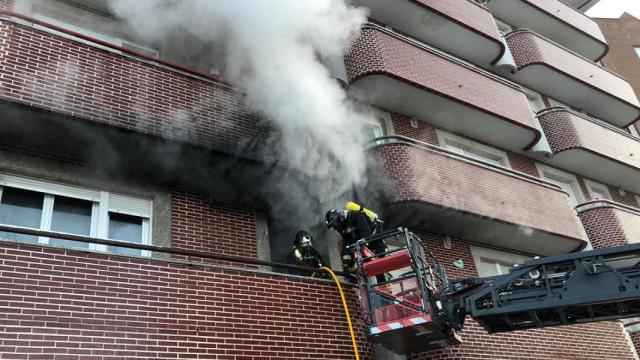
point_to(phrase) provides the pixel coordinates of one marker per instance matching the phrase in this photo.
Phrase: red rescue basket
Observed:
(401, 312)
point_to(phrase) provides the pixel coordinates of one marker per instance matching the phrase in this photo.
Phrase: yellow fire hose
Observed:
(346, 310)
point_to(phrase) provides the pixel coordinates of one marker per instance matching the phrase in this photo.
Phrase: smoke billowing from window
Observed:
(271, 50)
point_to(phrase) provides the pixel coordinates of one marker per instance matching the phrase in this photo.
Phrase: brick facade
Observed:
(376, 52)
(200, 224)
(534, 54)
(83, 81)
(568, 130)
(623, 35)
(6, 4)
(57, 304)
(419, 175)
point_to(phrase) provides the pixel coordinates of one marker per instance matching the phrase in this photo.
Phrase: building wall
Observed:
(57, 304)
(623, 35)
(204, 225)
(72, 78)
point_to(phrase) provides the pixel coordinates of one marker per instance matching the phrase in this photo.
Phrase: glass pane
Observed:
(372, 131)
(71, 216)
(125, 228)
(21, 208)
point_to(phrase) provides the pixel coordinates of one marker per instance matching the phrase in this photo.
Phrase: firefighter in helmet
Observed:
(353, 224)
(304, 254)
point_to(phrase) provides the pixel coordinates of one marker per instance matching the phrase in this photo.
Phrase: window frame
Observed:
(590, 184)
(478, 253)
(573, 180)
(100, 209)
(501, 156)
(502, 25)
(534, 98)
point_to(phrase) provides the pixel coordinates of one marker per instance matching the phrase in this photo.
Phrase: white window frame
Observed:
(103, 203)
(503, 27)
(382, 120)
(497, 256)
(445, 139)
(551, 173)
(535, 99)
(592, 184)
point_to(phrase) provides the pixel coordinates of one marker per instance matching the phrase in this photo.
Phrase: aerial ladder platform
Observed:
(420, 309)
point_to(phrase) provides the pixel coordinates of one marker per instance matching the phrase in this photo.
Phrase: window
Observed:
(597, 191)
(637, 49)
(472, 149)
(491, 262)
(566, 181)
(73, 210)
(377, 125)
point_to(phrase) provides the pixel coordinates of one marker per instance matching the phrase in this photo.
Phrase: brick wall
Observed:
(635, 338)
(377, 52)
(424, 176)
(70, 305)
(200, 224)
(603, 227)
(6, 4)
(529, 48)
(426, 132)
(590, 341)
(622, 36)
(83, 81)
(567, 130)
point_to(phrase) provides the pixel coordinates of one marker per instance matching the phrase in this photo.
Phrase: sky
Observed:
(615, 8)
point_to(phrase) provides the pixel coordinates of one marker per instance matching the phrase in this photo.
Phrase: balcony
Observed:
(72, 74)
(565, 76)
(610, 224)
(554, 20)
(400, 74)
(463, 28)
(592, 148)
(431, 189)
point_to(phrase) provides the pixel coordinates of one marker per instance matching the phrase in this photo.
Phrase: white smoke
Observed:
(272, 51)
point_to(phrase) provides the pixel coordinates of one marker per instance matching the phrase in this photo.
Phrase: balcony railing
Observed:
(68, 73)
(566, 76)
(590, 147)
(555, 20)
(407, 76)
(610, 224)
(435, 190)
(462, 27)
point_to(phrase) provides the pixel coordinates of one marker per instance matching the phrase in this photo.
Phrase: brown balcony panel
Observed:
(554, 20)
(434, 190)
(610, 224)
(67, 76)
(462, 27)
(388, 70)
(552, 69)
(592, 148)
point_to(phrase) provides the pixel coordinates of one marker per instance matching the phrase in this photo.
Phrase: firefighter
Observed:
(304, 254)
(354, 224)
